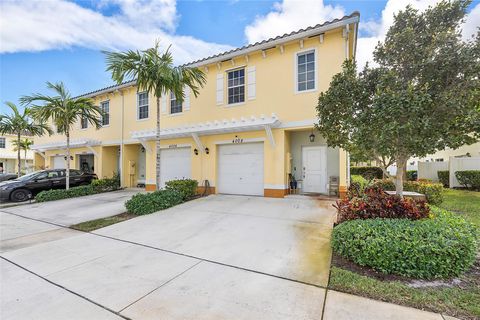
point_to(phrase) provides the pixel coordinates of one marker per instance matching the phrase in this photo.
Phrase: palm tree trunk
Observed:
(25, 160)
(67, 172)
(18, 155)
(157, 147)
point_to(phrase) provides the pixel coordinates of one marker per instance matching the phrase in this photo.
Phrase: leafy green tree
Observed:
(20, 123)
(63, 111)
(155, 72)
(23, 145)
(422, 97)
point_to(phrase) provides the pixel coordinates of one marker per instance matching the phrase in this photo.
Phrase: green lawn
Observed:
(463, 202)
(461, 302)
(457, 302)
(101, 223)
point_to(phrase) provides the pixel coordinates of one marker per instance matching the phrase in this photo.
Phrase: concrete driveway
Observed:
(220, 257)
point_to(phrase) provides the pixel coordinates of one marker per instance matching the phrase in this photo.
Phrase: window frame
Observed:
(144, 105)
(173, 99)
(82, 119)
(4, 143)
(315, 69)
(229, 104)
(107, 102)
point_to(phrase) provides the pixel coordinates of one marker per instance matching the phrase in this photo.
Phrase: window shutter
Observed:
(219, 88)
(186, 99)
(251, 82)
(163, 102)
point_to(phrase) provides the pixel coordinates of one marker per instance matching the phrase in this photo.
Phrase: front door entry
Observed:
(314, 168)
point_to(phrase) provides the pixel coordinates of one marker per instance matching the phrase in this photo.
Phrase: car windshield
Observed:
(28, 176)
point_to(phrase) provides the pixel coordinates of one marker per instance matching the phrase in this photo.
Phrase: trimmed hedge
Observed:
(97, 186)
(59, 194)
(444, 177)
(187, 188)
(440, 247)
(145, 203)
(433, 191)
(469, 178)
(368, 173)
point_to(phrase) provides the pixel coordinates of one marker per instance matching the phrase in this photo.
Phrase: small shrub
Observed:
(444, 177)
(368, 173)
(469, 178)
(375, 203)
(433, 191)
(360, 182)
(107, 184)
(58, 194)
(145, 203)
(187, 188)
(412, 175)
(439, 247)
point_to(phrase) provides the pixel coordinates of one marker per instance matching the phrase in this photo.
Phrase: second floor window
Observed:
(306, 71)
(105, 107)
(142, 105)
(2, 143)
(83, 123)
(175, 105)
(236, 86)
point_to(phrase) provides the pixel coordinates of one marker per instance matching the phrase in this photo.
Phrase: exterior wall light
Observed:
(312, 137)
(207, 151)
(195, 151)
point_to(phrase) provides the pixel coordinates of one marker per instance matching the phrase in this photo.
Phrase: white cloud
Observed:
(44, 25)
(291, 15)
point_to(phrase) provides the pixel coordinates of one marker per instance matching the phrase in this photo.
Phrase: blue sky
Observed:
(69, 50)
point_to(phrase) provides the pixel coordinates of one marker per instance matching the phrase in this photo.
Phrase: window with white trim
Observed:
(2, 143)
(83, 123)
(105, 107)
(236, 86)
(306, 71)
(142, 103)
(175, 105)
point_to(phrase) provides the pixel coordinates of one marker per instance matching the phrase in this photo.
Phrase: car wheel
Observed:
(20, 195)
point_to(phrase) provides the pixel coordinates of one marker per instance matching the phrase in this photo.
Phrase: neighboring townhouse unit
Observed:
(248, 132)
(9, 156)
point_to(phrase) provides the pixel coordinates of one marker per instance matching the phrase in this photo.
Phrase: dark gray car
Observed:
(7, 176)
(29, 185)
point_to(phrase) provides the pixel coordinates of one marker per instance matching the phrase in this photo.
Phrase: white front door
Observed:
(240, 169)
(314, 166)
(141, 166)
(175, 164)
(59, 162)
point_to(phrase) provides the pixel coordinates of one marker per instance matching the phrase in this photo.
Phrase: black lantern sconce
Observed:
(195, 151)
(311, 137)
(207, 151)
(71, 158)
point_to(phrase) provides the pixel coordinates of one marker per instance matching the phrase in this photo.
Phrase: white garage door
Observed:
(240, 169)
(175, 164)
(59, 162)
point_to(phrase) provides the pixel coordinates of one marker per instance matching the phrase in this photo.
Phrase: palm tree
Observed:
(154, 72)
(64, 111)
(20, 123)
(24, 145)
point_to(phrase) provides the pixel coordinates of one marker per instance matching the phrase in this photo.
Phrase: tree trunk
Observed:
(401, 162)
(18, 155)
(157, 147)
(67, 171)
(25, 160)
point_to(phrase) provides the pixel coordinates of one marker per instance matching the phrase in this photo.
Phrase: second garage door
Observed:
(240, 169)
(59, 162)
(175, 164)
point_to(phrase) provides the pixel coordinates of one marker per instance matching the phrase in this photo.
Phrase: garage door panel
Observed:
(240, 169)
(175, 164)
(59, 162)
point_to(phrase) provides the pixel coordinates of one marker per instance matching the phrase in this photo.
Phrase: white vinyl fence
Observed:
(428, 170)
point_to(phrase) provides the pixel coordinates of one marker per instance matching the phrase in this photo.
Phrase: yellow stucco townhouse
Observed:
(9, 156)
(249, 131)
